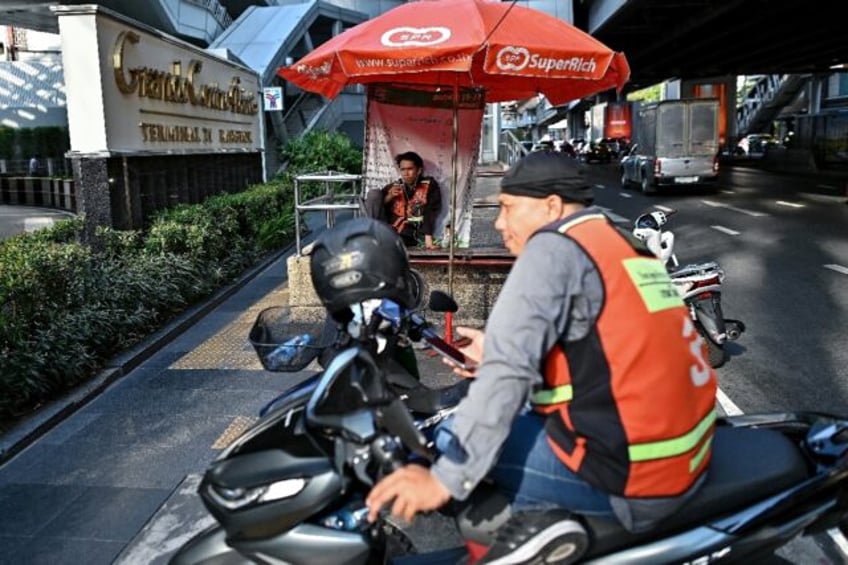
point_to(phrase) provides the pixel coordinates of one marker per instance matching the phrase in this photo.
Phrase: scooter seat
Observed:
(747, 465)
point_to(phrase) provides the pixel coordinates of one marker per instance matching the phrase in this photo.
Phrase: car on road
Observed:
(755, 144)
(594, 152)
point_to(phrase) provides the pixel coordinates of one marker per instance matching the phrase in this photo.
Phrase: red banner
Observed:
(400, 120)
(618, 120)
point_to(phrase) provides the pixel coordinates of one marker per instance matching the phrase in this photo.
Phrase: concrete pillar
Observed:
(815, 86)
(93, 192)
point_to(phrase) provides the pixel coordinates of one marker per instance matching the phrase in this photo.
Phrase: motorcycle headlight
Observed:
(236, 498)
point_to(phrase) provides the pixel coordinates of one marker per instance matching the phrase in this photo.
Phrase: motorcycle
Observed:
(296, 494)
(249, 487)
(698, 284)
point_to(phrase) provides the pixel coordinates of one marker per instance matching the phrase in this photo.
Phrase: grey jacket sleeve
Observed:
(531, 312)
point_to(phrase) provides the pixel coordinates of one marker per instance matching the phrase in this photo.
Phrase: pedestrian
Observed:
(33, 166)
(409, 204)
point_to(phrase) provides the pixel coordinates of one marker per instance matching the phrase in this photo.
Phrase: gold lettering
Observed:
(173, 86)
(194, 67)
(170, 133)
(235, 136)
(118, 62)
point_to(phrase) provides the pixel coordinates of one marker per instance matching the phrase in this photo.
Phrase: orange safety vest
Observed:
(410, 210)
(631, 406)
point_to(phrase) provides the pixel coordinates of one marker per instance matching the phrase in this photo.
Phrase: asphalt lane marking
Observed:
(728, 405)
(600, 186)
(837, 268)
(731, 409)
(625, 195)
(790, 204)
(728, 192)
(734, 208)
(827, 186)
(723, 229)
(665, 209)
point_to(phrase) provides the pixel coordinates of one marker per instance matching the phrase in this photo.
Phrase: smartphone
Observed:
(453, 354)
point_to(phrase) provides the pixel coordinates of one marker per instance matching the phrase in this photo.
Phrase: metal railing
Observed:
(510, 148)
(764, 100)
(218, 12)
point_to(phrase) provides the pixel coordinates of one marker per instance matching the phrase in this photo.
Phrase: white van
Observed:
(676, 142)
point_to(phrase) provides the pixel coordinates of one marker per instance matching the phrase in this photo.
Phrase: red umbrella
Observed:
(510, 51)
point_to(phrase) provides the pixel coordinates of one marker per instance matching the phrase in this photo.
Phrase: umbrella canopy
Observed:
(510, 51)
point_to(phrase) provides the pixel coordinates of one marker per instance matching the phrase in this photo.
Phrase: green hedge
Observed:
(66, 306)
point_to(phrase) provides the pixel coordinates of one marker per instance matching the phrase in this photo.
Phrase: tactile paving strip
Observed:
(234, 430)
(230, 349)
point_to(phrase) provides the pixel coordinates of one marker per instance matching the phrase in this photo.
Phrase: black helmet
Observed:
(359, 260)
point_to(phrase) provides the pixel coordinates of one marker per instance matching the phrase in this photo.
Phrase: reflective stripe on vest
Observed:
(552, 395)
(676, 446)
(403, 208)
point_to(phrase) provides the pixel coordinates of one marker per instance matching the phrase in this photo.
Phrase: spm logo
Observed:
(512, 58)
(414, 36)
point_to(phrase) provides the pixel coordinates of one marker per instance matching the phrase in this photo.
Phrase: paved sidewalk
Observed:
(19, 219)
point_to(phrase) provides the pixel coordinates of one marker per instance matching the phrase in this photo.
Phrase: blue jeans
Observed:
(529, 472)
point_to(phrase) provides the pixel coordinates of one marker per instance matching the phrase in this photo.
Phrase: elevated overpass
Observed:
(691, 40)
(695, 39)
(662, 39)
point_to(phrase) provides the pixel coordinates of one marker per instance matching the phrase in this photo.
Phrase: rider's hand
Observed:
(472, 348)
(410, 489)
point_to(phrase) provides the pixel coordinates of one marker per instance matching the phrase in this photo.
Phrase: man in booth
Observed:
(410, 204)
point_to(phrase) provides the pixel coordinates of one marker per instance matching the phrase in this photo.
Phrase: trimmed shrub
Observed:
(322, 150)
(65, 306)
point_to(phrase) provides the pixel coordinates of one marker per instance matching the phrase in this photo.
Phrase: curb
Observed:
(35, 425)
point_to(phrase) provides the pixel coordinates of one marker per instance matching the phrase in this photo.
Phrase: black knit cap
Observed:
(543, 173)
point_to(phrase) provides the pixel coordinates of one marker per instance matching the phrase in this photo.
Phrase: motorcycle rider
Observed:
(589, 330)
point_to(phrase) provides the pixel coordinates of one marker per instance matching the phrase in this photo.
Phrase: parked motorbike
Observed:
(280, 486)
(699, 284)
(292, 489)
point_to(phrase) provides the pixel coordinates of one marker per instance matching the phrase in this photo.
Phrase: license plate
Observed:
(686, 180)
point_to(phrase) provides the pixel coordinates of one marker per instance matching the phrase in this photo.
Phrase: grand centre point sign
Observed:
(134, 90)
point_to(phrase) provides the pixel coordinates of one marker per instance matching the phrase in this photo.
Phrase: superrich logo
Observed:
(512, 58)
(315, 72)
(415, 37)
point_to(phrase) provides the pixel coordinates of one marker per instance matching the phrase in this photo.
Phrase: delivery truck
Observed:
(675, 142)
